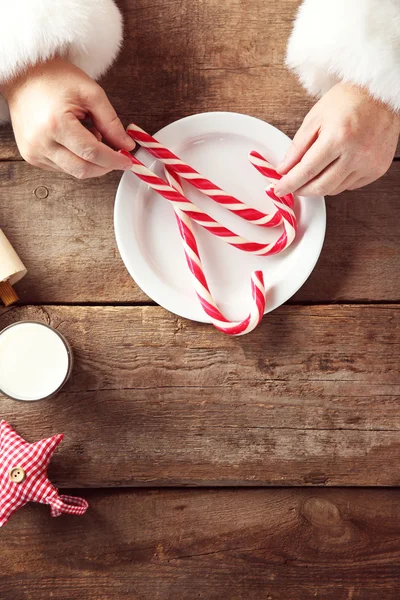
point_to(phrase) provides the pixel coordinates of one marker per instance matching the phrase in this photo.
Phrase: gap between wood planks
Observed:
(289, 303)
(20, 159)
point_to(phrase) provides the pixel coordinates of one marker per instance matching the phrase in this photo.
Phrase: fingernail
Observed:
(280, 167)
(278, 192)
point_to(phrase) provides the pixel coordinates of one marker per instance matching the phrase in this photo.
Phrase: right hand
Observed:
(347, 140)
(47, 104)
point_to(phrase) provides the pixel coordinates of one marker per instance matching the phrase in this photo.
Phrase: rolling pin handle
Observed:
(7, 293)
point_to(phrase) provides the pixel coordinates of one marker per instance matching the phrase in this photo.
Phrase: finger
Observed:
(76, 166)
(81, 142)
(96, 133)
(46, 164)
(330, 179)
(362, 182)
(302, 141)
(51, 167)
(316, 159)
(346, 184)
(107, 122)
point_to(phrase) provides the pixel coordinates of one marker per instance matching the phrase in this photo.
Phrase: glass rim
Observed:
(70, 357)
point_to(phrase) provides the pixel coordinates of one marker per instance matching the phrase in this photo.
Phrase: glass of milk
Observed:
(35, 361)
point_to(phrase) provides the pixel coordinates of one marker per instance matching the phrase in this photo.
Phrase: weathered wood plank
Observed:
(212, 545)
(63, 230)
(181, 58)
(208, 56)
(8, 147)
(311, 397)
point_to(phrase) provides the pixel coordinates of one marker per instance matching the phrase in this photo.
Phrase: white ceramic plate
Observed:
(217, 145)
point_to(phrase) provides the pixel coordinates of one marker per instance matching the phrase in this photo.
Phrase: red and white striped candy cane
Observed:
(285, 204)
(206, 186)
(185, 211)
(201, 286)
(264, 166)
(178, 200)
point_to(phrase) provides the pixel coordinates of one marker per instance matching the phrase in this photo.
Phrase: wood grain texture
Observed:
(63, 231)
(208, 545)
(181, 58)
(310, 398)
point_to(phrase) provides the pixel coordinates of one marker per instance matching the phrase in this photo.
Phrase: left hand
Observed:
(346, 141)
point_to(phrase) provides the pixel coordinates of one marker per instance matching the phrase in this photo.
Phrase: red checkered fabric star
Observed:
(23, 476)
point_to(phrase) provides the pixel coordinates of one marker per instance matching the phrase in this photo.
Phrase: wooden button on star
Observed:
(17, 474)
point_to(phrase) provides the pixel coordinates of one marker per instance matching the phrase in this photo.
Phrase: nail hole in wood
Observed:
(41, 192)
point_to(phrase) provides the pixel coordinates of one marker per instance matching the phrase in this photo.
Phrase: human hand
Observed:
(46, 106)
(346, 141)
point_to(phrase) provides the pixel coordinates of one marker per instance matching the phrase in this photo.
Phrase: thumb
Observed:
(107, 122)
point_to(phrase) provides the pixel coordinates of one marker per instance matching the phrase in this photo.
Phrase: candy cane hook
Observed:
(201, 286)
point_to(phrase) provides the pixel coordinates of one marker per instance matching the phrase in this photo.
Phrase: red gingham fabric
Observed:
(34, 460)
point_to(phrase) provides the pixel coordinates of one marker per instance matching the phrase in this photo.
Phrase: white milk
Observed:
(34, 361)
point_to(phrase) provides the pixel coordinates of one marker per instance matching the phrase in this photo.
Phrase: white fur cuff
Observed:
(89, 32)
(357, 41)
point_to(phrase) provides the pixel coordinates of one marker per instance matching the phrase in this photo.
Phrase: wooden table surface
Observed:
(289, 432)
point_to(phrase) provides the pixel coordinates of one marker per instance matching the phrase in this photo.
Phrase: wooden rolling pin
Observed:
(11, 271)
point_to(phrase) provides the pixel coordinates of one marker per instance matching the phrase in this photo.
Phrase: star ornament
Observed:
(23, 476)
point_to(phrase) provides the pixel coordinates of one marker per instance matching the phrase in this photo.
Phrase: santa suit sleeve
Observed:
(87, 32)
(354, 41)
